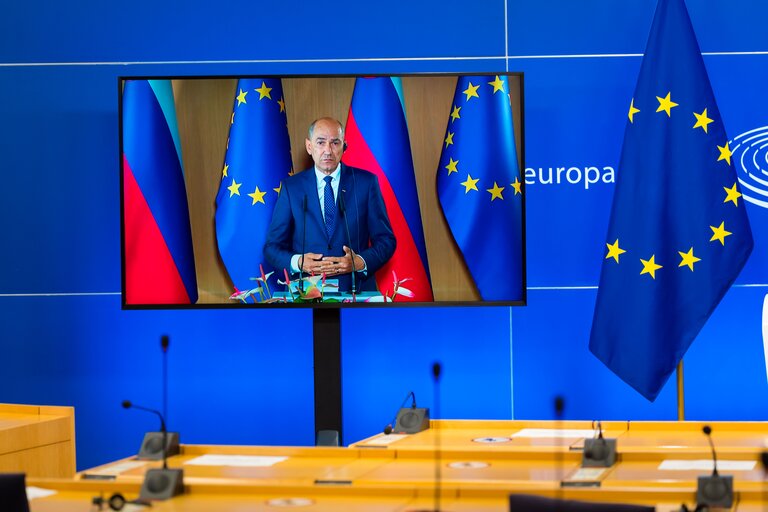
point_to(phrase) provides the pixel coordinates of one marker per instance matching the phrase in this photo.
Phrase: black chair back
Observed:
(13, 493)
(528, 503)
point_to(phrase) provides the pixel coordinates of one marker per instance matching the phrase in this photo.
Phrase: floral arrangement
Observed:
(312, 288)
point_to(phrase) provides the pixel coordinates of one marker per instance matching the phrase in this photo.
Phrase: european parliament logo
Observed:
(750, 157)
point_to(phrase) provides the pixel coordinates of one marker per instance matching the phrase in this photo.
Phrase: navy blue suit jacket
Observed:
(370, 232)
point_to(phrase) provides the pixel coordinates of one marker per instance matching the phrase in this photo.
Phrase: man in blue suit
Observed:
(309, 224)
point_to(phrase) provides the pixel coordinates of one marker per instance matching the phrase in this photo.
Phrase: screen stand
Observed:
(326, 330)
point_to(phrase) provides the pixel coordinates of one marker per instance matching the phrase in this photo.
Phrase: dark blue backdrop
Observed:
(246, 376)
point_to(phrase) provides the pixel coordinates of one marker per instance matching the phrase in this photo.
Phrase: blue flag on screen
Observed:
(258, 158)
(678, 234)
(479, 186)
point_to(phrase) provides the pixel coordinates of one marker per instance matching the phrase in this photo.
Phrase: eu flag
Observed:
(479, 186)
(258, 158)
(678, 234)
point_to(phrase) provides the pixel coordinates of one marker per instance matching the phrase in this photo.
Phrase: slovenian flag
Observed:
(377, 134)
(159, 262)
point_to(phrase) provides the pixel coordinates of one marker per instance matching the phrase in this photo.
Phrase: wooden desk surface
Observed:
(475, 475)
(74, 496)
(38, 440)
(636, 440)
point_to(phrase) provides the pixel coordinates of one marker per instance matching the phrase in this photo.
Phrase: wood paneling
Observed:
(37, 440)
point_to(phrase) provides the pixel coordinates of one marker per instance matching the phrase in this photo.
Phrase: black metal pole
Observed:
(326, 327)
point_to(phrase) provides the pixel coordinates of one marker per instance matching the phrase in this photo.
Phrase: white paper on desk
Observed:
(116, 469)
(252, 461)
(37, 492)
(707, 465)
(544, 433)
(385, 439)
(587, 474)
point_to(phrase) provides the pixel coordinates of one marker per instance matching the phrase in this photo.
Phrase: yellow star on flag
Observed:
(471, 91)
(614, 251)
(263, 91)
(470, 184)
(666, 104)
(702, 121)
(455, 114)
(257, 196)
(452, 166)
(650, 266)
(719, 233)
(725, 153)
(495, 192)
(279, 188)
(632, 111)
(449, 139)
(498, 85)
(234, 188)
(281, 102)
(516, 185)
(241, 97)
(733, 194)
(225, 171)
(688, 259)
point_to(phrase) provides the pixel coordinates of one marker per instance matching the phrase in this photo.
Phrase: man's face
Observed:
(326, 145)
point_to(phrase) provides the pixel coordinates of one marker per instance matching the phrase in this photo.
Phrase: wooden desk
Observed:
(37, 440)
(400, 477)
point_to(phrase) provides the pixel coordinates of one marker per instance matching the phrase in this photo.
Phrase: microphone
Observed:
(411, 420)
(343, 210)
(127, 404)
(159, 484)
(436, 369)
(599, 452)
(388, 429)
(715, 490)
(164, 342)
(303, 243)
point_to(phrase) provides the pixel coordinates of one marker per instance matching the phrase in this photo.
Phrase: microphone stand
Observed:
(343, 210)
(303, 246)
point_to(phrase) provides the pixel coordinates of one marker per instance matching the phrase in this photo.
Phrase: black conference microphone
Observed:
(303, 243)
(410, 420)
(599, 452)
(127, 404)
(343, 210)
(160, 484)
(164, 342)
(715, 490)
(436, 370)
(559, 405)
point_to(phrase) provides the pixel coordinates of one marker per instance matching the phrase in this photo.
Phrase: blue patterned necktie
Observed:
(329, 204)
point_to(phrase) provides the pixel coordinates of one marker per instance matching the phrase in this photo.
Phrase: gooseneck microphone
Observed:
(303, 242)
(436, 370)
(343, 210)
(127, 404)
(715, 490)
(599, 452)
(412, 395)
(159, 484)
(164, 342)
(708, 432)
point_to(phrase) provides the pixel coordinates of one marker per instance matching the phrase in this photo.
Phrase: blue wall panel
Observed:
(234, 376)
(387, 353)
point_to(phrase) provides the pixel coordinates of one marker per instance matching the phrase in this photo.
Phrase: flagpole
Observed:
(680, 393)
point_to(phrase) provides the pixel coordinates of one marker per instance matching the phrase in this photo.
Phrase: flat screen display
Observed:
(322, 191)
